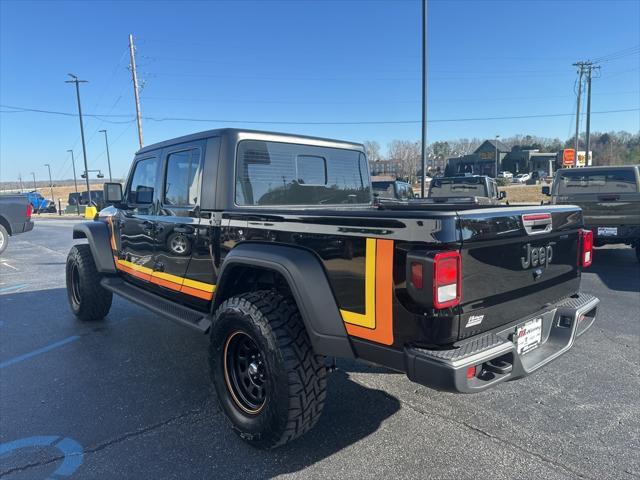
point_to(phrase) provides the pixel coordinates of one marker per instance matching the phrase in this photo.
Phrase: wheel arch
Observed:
(5, 223)
(97, 235)
(305, 278)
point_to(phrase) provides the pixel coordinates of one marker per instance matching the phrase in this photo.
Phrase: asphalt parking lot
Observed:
(130, 397)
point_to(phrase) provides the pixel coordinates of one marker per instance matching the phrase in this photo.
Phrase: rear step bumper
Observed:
(165, 308)
(494, 355)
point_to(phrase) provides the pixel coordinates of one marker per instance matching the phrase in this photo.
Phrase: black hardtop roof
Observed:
(238, 132)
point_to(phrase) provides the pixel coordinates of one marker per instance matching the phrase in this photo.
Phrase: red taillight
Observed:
(417, 275)
(447, 279)
(29, 210)
(586, 248)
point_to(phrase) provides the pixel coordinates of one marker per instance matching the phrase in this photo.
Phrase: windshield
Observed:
(596, 181)
(457, 187)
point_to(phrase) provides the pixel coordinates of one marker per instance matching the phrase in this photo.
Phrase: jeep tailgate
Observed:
(516, 261)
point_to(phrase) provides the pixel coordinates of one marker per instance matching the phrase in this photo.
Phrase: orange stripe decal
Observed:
(382, 332)
(196, 293)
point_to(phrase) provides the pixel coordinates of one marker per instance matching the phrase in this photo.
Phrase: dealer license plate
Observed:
(607, 231)
(528, 336)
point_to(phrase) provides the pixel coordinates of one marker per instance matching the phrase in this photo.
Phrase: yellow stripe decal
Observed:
(135, 266)
(368, 319)
(207, 287)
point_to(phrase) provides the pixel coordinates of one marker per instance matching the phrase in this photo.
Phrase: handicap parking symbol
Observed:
(72, 451)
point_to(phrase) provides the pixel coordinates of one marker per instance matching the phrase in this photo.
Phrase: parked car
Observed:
(508, 175)
(475, 189)
(392, 189)
(521, 178)
(609, 198)
(39, 203)
(238, 234)
(15, 217)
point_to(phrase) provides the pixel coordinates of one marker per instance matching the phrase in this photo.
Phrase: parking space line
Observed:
(45, 349)
(11, 288)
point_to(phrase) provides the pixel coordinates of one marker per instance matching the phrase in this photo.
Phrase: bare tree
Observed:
(406, 156)
(372, 149)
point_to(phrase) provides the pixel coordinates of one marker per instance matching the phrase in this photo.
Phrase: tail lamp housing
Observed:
(29, 210)
(585, 248)
(434, 279)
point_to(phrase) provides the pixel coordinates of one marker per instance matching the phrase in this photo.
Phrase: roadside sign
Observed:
(568, 157)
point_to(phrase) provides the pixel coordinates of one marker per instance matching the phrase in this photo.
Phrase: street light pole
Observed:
(424, 98)
(50, 182)
(106, 142)
(84, 148)
(497, 137)
(75, 182)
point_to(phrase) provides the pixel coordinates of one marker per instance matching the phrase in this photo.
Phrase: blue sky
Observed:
(303, 61)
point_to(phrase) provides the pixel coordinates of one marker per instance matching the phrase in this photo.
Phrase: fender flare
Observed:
(97, 234)
(309, 285)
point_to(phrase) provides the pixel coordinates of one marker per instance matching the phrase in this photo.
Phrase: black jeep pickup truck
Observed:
(271, 243)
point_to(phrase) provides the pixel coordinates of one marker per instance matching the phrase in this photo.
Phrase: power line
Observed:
(365, 122)
(377, 102)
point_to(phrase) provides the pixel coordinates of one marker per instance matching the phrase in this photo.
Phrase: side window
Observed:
(181, 180)
(143, 181)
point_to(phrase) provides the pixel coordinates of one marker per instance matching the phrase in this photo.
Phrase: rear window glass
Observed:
(596, 181)
(384, 189)
(457, 187)
(272, 173)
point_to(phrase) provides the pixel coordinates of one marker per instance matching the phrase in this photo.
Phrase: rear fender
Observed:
(309, 286)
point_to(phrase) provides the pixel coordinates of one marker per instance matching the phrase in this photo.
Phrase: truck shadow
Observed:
(618, 268)
(176, 379)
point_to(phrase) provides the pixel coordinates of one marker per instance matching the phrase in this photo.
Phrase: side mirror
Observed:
(546, 190)
(112, 193)
(144, 195)
(502, 195)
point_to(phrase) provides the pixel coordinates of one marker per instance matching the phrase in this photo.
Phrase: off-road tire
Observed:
(89, 301)
(296, 378)
(4, 239)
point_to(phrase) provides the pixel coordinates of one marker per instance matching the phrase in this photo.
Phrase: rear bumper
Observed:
(495, 354)
(624, 234)
(22, 228)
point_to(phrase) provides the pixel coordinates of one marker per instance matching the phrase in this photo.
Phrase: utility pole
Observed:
(50, 182)
(75, 182)
(497, 156)
(106, 142)
(590, 68)
(20, 180)
(134, 75)
(424, 98)
(35, 186)
(84, 148)
(577, 142)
